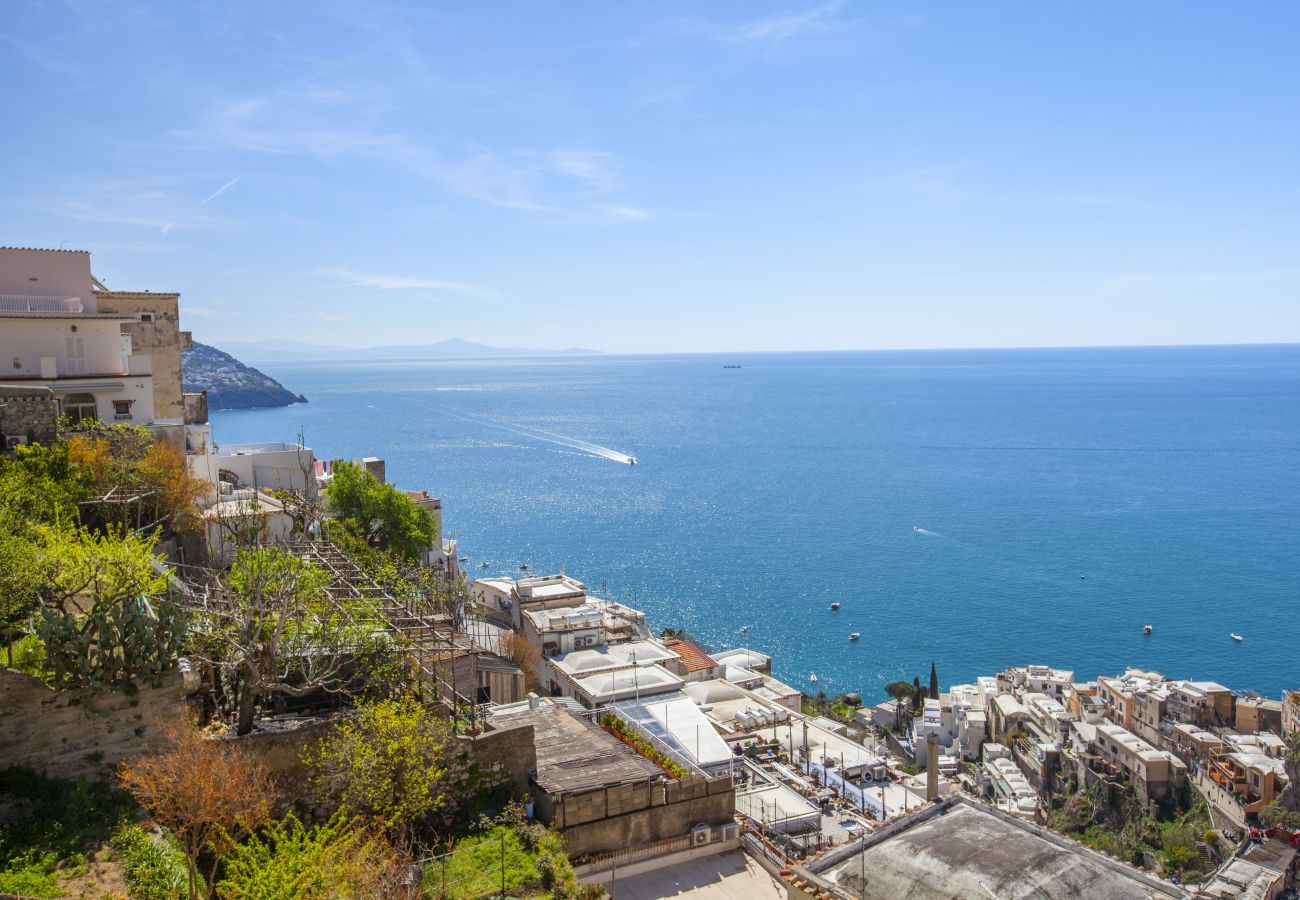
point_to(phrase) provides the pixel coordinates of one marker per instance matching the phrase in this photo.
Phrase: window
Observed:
(121, 409)
(78, 407)
(146, 318)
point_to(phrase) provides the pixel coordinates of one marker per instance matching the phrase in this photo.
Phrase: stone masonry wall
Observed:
(161, 339)
(611, 818)
(67, 734)
(493, 761)
(29, 411)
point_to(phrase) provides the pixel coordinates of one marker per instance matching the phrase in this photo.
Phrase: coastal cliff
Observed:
(231, 384)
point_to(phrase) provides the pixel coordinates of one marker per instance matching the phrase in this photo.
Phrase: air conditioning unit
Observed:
(731, 831)
(700, 835)
(14, 440)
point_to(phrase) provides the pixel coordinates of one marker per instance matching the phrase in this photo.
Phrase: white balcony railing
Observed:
(34, 303)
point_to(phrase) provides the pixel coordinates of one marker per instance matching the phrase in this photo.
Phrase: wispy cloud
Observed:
(1087, 199)
(41, 57)
(773, 29)
(568, 184)
(219, 191)
(1124, 284)
(936, 182)
(350, 278)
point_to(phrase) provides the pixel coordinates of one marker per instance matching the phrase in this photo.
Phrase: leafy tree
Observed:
(387, 763)
(209, 793)
(900, 690)
(340, 859)
(934, 682)
(270, 627)
(379, 513)
(105, 617)
(127, 461)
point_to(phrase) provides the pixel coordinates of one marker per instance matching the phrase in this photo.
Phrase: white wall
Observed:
(290, 469)
(57, 274)
(24, 341)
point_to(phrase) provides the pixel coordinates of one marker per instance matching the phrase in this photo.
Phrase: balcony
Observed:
(251, 449)
(35, 303)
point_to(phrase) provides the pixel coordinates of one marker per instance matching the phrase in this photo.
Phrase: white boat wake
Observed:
(919, 530)
(538, 434)
(575, 443)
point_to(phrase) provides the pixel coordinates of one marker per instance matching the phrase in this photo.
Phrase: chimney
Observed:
(533, 700)
(931, 766)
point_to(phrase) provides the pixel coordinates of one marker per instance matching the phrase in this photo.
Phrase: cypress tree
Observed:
(917, 696)
(934, 682)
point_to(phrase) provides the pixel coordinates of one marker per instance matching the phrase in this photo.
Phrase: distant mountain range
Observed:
(283, 351)
(231, 384)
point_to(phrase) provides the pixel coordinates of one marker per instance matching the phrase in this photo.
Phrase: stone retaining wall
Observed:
(30, 412)
(625, 815)
(83, 731)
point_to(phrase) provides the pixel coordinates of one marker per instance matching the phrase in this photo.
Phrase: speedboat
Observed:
(523, 567)
(1236, 637)
(835, 605)
(854, 636)
(631, 460)
(744, 628)
(482, 565)
(464, 559)
(813, 677)
(1146, 629)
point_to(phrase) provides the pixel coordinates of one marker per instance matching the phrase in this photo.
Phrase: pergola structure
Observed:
(426, 629)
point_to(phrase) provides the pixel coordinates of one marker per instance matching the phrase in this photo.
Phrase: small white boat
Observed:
(1146, 629)
(482, 565)
(744, 629)
(1236, 637)
(835, 605)
(631, 460)
(854, 636)
(813, 677)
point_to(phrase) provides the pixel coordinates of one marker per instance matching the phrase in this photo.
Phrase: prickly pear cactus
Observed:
(115, 643)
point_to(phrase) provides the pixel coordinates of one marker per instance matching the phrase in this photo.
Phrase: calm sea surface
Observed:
(976, 508)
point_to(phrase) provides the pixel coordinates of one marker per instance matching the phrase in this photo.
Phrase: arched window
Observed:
(228, 477)
(79, 407)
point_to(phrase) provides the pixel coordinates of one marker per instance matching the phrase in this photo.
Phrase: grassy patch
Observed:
(56, 826)
(155, 870)
(530, 857)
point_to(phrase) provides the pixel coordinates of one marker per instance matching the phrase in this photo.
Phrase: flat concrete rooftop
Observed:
(967, 850)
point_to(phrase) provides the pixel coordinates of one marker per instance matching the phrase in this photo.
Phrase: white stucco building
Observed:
(107, 355)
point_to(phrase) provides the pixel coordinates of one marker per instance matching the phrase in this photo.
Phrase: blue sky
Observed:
(670, 177)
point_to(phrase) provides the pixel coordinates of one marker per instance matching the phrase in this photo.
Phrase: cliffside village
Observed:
(649, 751)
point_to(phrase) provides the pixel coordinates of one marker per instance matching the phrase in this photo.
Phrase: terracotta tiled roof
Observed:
(692, 654)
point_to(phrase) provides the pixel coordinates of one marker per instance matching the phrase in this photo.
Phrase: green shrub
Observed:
(155, 870)
(29, 657)
(31, 873)
(475, 866)
(55, 825)
(620, 729)
(286, 861)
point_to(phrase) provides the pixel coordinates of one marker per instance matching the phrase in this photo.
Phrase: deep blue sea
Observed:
(977, 508)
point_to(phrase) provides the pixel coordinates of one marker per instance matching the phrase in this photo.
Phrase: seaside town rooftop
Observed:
(962, 849)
